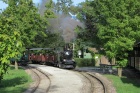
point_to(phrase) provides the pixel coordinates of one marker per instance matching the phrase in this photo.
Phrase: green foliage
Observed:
(78, 45)
(81, 62)
(122, 62)
(115, 26)
(49, 10)
(55, 40)
(27, 20)
(21, 26)
(52, 39)
(88, 34)
(10, 42)
(63, 6)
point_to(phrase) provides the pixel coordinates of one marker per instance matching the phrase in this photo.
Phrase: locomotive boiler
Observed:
(66, 59)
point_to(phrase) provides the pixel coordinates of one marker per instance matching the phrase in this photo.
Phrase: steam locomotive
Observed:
(66, 59)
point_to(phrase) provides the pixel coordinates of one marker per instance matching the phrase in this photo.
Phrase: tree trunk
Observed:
(120, 71)
(113, 61)
(16, 65)
(97, 63)
(0, 78)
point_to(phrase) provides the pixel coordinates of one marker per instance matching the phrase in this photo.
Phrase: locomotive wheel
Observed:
(60, 65)
(63, 66)
(74, 66)
(55, 64)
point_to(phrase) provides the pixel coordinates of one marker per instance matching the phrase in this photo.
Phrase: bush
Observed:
(81, 62)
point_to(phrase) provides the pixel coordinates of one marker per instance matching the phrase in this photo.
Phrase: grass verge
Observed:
(15, 81)
(124, 84)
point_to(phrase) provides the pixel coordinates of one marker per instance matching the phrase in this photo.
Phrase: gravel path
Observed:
(63, 81)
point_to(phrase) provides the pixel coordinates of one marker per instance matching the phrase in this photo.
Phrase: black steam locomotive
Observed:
(66, 59)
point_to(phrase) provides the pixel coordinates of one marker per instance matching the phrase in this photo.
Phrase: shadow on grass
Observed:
(132, 76)
(13, 82)
(12, 67)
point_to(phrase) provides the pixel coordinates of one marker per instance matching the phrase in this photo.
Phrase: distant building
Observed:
(100, 59)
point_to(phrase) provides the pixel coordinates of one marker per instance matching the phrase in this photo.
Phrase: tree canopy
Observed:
(116, 26)
(63, 6)
(20, 24)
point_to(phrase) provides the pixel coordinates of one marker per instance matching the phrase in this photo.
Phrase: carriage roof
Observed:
(40, 49)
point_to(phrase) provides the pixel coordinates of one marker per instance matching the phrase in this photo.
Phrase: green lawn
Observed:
(124, 84)
(15, 81)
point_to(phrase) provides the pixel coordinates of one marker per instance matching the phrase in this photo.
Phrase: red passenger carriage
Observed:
(43, 58)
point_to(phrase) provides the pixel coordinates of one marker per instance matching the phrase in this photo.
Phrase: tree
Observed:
(10, 42)
(63, 6)
(20, 23)
(117, 26)
(26, 21)
(42, 40)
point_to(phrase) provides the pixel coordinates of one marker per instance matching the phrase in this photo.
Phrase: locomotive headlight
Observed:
(64, 59)
(67, 53)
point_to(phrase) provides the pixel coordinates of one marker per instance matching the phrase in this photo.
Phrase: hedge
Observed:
(81, 62)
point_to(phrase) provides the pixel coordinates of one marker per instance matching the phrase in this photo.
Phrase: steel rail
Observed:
(37, 73)
(103, 84)
(94, 76)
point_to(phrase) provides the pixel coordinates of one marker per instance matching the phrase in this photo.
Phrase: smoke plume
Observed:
(63, 24)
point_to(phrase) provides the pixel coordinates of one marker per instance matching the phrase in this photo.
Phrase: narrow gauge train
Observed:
(62, 59)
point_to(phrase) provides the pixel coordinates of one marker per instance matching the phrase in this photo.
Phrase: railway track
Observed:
(99, 83)
(92, 83)
(39, 77)
(96, 84)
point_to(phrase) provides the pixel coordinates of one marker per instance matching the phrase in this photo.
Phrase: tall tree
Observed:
(10, 42)
(41, 39)
(20, 23)
(117, 23)
(29, 21)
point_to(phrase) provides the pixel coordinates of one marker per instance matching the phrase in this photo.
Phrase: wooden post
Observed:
(120, 71)
(16, 65)
(113, 61)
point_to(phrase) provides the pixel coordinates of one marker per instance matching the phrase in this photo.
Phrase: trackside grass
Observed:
(15, 81)
(124, 84)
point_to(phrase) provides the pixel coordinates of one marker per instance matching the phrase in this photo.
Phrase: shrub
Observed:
(81, 62)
